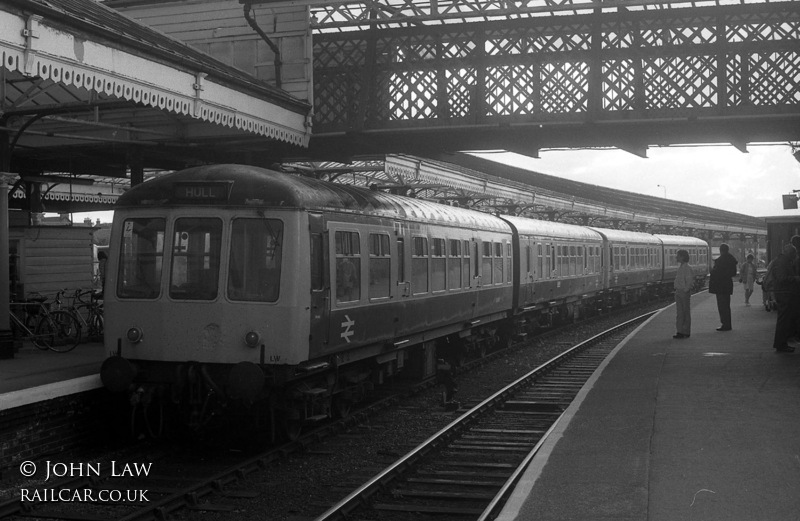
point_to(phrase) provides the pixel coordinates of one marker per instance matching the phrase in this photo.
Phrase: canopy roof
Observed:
(87, 90)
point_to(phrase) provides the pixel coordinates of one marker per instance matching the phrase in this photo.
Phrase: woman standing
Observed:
(748, 277)
(684, 280)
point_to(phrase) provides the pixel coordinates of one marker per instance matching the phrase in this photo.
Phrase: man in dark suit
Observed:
(786, 296)
(721, 284)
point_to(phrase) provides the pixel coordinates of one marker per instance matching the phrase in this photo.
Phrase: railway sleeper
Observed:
(429, 509)
(457, 482)
(534, 406)
(487, 474)
(436, 494)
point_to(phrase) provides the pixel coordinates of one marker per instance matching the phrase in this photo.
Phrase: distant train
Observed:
(238, 288)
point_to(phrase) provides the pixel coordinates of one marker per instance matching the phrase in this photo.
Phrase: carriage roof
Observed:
(536, 227)
(627, 236)
(248, 186)
(681, 240)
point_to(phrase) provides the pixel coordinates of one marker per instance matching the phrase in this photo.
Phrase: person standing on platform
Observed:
(721, 284)
(795, 303)
(785, 290)
(747, 276)
(684, 280)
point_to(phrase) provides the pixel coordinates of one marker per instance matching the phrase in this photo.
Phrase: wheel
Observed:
(60, 330)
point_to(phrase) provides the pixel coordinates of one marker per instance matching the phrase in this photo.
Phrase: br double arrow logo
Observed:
(346, 325)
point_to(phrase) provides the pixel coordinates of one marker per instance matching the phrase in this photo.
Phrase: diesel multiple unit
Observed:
(292, 297)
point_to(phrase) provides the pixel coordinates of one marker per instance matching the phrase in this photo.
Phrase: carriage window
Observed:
(438, 262)
(348, 266)
(254, 273)
(573, 261)
(379, 265)
(509, 256)
(528, 259)
(465, 266)
(454, 265)
(141, 258)
(419, 265)
(486, 271)
(498, 263)
(542, 266)
(195, 259)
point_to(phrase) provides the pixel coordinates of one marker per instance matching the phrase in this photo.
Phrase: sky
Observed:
(719, 177)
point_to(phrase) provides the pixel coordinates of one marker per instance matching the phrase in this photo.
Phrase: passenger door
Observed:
(320, 307)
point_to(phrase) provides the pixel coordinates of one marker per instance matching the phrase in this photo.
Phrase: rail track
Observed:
(467, 469)
(211, 484)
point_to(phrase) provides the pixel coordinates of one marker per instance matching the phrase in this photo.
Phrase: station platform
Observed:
(35, 375)
(705, 428)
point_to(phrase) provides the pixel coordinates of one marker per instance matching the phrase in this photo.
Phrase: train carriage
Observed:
(234, 288)
(241, 283)
(558, 265)
(699, 257)
(632, 263)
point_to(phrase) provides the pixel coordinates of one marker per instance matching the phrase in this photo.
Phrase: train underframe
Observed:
(281, 400)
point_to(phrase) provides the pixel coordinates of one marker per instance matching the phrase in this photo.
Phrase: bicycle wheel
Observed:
(40, 341)
(60, 330)
(96, 327)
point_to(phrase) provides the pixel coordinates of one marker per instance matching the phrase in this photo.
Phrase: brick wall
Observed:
(40, 430)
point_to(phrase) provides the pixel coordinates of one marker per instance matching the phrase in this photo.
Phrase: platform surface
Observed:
(34, 374)
(705, 428)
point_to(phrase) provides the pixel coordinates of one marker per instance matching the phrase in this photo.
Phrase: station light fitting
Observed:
(790, 200)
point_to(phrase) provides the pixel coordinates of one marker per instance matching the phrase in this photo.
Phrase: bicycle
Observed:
(89, 314)
(56, 330)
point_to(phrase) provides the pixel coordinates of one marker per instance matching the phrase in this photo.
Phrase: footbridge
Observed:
(420, 76)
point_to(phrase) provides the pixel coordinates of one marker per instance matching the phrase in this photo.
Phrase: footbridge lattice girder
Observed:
(628, 79)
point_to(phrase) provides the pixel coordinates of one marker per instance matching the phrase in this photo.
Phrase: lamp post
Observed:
(665, 190)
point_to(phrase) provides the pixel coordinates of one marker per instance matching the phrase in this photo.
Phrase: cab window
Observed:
(254, 271)
(195, 259)
(141, 258)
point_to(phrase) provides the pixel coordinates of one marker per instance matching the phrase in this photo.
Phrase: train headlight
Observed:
(252, 339)
(134, 335)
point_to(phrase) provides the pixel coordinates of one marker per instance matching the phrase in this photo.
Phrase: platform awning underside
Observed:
(76, 105)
